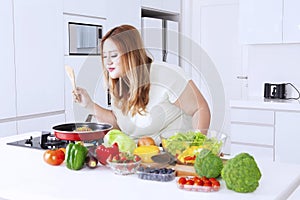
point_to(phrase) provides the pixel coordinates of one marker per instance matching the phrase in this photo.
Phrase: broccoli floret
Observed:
(208, 164)
(241, 173)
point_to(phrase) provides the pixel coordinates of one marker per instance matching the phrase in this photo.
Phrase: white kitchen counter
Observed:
(267, 104)
(24, 175)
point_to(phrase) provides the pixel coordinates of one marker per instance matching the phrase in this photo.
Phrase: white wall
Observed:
(278, 63)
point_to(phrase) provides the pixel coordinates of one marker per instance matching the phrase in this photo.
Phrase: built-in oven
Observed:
(84, 39)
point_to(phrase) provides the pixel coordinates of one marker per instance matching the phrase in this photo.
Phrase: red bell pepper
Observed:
(103, 152)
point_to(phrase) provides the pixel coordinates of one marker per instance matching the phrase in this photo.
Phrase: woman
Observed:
(148, 98)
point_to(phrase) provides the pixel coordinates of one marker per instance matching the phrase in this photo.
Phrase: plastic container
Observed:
(124, 168)
(156, 174)
(197, 188)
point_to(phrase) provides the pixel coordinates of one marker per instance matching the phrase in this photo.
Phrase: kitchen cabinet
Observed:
(123, 12)
(38, 33)
(268, 129)
(92, 8)
(161, 39)
(252, 131)
(152, 37)
(164, 5)
(269, 21)
(7, 69)
(8, 129)
(291, 21)
(287, 137)
(42, 123)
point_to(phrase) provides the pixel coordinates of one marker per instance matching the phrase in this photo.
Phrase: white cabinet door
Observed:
(258, 152)
(171, 5)
(123, 12)
(152, 4)
(291, 21)
(8, 129)
(7, 66)
(260, 21)
(152, 36)
(172, 42)
(164, 5)
(96, 8)
(39, 56)
(287, 137)
(40, 124)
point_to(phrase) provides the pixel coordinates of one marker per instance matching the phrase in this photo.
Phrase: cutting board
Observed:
(188, 170)
(185, 170)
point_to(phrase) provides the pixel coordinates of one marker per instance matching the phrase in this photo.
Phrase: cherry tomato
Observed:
(207, 183)
(190, 182)
(215, 185)
(182, 180)
(54, 157)
(213, 179)
(199, 182)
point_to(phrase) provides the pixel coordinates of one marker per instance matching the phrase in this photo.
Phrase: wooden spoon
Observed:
(71, 75)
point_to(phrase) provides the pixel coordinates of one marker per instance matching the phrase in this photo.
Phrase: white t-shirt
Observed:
(167, 82)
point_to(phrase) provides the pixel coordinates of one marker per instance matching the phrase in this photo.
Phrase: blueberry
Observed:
(147, 170)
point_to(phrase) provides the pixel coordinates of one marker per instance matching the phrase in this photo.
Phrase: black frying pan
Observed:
(71, 132)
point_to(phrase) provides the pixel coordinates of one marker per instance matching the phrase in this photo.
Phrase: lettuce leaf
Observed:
(125, 143)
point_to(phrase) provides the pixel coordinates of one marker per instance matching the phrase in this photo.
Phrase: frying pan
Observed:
(68, 131)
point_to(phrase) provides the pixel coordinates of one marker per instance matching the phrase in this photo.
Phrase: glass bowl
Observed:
(124, 168)
(185, 145)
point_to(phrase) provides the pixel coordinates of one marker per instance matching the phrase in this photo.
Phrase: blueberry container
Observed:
(156, 174)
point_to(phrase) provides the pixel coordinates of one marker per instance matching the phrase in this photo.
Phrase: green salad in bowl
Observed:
(185, 145)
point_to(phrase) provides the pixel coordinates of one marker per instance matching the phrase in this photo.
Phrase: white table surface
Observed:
(24, 175)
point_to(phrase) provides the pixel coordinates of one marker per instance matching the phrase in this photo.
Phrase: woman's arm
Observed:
(193, 103)
(101, 114)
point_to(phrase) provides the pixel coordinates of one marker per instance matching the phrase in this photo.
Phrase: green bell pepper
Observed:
(75, 156)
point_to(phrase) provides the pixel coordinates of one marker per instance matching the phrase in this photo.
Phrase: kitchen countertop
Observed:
(267, 104)
(24, 175)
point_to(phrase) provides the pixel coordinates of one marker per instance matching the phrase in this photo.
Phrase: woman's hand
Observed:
(82, 97)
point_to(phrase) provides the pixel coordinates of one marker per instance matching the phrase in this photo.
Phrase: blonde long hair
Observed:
(131, 91)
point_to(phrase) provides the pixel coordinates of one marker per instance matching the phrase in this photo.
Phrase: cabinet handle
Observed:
(242, 77)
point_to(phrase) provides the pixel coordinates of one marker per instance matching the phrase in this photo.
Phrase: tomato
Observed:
(54, 157)
(182, 180)
(190, 182)
(188, 158)
(207, 183)
(63, 149)
(199, 182)
(213, 179)
(215, 183)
